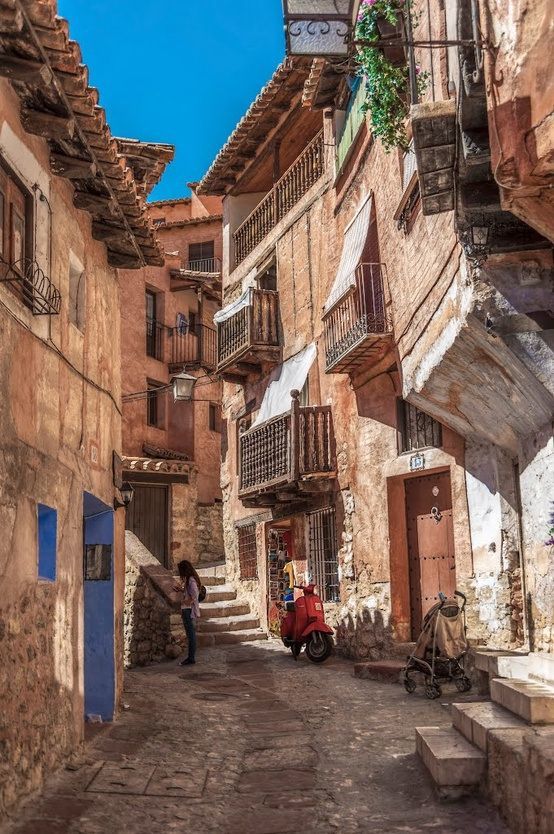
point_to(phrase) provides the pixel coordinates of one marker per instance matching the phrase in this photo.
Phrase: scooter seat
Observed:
(290, 606)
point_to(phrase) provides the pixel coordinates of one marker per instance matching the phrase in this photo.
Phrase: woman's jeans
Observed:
(190, 629)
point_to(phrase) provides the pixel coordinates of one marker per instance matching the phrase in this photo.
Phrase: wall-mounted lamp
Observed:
(480, 235)
(126, 491)
(183, 387)
(319, 27)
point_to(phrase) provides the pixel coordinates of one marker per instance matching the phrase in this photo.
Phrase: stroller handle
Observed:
(463, 597)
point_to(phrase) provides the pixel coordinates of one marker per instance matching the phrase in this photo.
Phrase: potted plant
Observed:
(385, 70)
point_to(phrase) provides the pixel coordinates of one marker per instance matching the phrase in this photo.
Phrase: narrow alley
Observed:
(250, 742)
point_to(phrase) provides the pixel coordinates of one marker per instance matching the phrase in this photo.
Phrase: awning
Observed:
(355, 237)
(290, 376)
(244, 300)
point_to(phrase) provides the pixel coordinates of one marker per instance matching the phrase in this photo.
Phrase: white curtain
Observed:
(355, 237)
(244, 300)
(290, 376)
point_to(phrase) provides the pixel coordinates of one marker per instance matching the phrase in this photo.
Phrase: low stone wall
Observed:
(149, 603)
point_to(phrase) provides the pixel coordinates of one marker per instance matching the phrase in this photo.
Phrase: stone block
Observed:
(380, 670)
(505, 777)
(476, 720)
(451, 760)
(532, 701)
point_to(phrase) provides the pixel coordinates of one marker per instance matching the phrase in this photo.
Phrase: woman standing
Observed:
(190, 609)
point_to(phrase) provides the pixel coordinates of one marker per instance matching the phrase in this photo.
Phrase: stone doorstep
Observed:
(215, 609)
(221, 593)
(451, 760)
(215, 570)
(242, 623)
(211, 581)
(387, 671)
(226, 638)
(476, 720)
(530, 700)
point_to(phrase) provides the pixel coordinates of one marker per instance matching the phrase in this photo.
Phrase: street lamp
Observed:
(319, 27)
(183, 385)
(127, 493)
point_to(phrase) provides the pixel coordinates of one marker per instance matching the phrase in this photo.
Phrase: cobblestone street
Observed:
(250, 742)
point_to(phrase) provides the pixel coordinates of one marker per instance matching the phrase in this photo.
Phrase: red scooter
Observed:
(303, 623)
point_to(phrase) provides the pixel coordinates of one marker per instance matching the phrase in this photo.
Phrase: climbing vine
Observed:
(386, 84)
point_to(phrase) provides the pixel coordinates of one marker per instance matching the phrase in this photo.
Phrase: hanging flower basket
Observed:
(385, 70)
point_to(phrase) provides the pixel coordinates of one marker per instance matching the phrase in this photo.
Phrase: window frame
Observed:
(153, 405)
(405, 422)
(202, 257)
(323, 561)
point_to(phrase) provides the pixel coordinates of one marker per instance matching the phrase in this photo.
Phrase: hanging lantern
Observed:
(319, 27)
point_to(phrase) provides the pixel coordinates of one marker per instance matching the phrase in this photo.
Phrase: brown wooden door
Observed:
(432, 565)
(147, 518)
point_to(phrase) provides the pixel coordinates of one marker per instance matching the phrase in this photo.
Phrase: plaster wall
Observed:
(59, 425)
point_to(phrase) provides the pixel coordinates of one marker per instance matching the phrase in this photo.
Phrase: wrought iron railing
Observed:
(292, 186)
(208, 266)
(155, 332)
(197, 346)
(253, 326)
(286, 448)
(360, 313)
(32, 286)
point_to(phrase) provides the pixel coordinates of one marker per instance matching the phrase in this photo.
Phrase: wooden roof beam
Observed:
(24, 69)
(48, 125)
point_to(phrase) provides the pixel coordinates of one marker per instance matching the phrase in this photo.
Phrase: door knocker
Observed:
(436, 513)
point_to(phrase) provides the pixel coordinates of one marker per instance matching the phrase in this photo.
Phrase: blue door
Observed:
(99, 608)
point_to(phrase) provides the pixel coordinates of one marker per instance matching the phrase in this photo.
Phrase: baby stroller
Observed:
(441, 648)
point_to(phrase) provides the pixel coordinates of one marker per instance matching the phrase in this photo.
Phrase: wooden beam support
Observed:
(72, 167)
(24, 69)
(104, 232)
(95, 203)
(123, 261)
(47, 125)
(11, 21)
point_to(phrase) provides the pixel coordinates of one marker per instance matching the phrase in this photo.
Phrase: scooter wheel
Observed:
(409, 685)
(463, 684)
(319, 647)
(433, 691)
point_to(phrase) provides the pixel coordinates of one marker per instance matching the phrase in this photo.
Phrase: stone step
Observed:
(492, 661)
(475, 720)
(217, 609)
(379, 670)
(215, 570)
(226, 638)
(531, 700)
(220, 593)
(456, 766)
(211, 581)
(241, 623)
(402, 651)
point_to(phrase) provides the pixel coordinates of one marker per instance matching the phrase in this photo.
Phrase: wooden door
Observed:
(432, 566)
(147, 518)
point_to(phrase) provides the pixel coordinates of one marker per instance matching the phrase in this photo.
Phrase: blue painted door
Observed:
(99, 608)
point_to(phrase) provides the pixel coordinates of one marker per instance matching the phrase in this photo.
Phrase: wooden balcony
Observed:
(288, 191)
(197, 347)
(250, 337)
(288, 458)
(358, 329)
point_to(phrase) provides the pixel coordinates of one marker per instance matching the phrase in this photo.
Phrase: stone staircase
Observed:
(224, 620)
(504, 746)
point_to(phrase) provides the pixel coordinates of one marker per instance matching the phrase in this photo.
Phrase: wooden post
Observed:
(295, 436)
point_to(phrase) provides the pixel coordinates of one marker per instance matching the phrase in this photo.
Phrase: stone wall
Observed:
(196, 528)
(149, 604)
(209, 526)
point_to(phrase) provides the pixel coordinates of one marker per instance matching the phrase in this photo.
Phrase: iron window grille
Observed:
(32, 286)
(417, 430)
(248, 554)
(323, 562)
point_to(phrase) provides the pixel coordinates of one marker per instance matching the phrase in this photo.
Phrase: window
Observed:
(76, 293)
(193, 322)
(248, 555)
(304, 399)
(153, 329)
(16, 214)
(411, 202)
(214, 418)
(267, 278)
(416, 430)
(158, 221)
(47, 524)
(354, 119)
(153, 410)
(323, 563)
(201, 255)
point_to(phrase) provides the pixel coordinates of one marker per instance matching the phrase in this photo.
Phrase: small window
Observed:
(153, 405)
(158, 221)
(323, 565)
(77, 294)
(154, 344)
(304, 398)
(214, 417)
(98, 562)
(267, 279)
(201, 256)
(193, 322)
(16, 224)
(416, 429)
(248, 554)
(47, 529)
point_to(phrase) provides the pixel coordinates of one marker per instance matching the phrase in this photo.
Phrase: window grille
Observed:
(248, 554)
(417, 429)
(323, 563)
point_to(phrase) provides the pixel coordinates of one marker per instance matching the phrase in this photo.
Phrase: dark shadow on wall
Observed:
(365, 636)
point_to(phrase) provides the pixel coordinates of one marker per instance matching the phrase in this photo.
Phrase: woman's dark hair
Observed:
(186, 570)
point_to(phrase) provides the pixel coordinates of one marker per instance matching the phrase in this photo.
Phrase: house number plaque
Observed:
(417, 462)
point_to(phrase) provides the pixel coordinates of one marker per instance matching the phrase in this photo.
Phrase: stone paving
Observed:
(250, 742)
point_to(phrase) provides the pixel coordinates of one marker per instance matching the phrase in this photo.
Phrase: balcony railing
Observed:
(357, 322)
(251, 331)
(287, 449)
(198, 346)
(206, 266)
(155, 332)
(292, 186)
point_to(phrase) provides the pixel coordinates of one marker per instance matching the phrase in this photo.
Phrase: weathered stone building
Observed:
(172, 449)
(72, 210)
(410, 311)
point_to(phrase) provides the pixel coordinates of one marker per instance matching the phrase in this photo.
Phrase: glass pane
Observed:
(308, 37)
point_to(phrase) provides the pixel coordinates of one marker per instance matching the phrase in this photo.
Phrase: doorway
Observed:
(99, 630)
(430, 533)
(147, 517)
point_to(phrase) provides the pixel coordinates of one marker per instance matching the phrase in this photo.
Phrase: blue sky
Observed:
(179, 71)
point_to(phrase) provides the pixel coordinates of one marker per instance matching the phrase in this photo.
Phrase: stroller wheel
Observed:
(409, 685)
(433, 691)
(463, 684)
